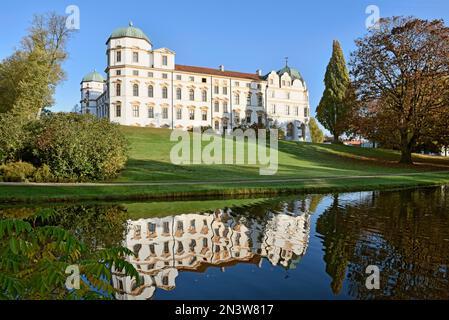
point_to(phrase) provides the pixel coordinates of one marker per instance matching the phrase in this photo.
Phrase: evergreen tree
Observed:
(315, 131)
(333, 108)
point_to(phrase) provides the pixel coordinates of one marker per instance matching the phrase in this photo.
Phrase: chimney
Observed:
(221, 67)
(259, 72)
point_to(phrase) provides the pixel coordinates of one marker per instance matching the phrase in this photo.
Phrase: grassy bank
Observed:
(302, 168)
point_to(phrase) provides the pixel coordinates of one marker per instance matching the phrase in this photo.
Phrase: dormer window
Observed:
(164, 60)
(271, 81)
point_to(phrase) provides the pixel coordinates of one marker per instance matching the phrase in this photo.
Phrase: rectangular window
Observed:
(204, 80)
(225, 90)
(248, 85)
(165, 113)
(271, 81)
(178, 77)
(273, 109)
(192, 79)
(164, 60)
(204, 115)
(118, 110)
(296, 111)
(260, 100)
(306, 112)
(287, 110)
(217, 90)
(135, 73)
(135, 111)
(237, 84)
(217, 106)
(118, 72)
(179, 114)
(225, 107)
(273, 94)
(259, 87)
(135, 57)
(150, 75)
(151, 112)
(192, 114)
(164, 76)
(119, 56)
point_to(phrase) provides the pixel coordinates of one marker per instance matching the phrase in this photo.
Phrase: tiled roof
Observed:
(217, 72)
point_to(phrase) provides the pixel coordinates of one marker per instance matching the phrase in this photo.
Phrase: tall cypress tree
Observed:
(332, 110)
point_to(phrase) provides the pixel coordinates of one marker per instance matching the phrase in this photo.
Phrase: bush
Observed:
(17, 172)
(12, 136)
(43, 174)
(76, 147)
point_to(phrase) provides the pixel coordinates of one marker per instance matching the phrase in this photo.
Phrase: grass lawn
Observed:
(329, 166)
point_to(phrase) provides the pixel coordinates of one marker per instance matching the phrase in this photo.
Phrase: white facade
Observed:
(145, 87)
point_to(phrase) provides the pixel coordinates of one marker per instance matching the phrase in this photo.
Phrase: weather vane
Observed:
(286, 61)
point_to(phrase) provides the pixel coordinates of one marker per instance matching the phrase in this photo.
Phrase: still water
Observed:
(299, 247)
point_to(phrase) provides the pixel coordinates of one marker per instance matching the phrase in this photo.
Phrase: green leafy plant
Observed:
(33, 261)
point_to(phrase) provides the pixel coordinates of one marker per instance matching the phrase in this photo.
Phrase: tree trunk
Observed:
(406, 150)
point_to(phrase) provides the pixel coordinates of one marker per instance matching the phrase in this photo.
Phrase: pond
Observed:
(297, 247)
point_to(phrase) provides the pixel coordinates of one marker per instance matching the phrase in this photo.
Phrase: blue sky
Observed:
(242, 35)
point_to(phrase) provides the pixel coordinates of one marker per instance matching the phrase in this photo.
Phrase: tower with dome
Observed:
(143, 86)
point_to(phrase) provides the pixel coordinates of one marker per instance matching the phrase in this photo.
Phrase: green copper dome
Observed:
(93, 77)
(293, 73)
(129, 32)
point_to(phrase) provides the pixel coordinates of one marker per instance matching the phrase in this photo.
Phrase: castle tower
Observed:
(92, 86)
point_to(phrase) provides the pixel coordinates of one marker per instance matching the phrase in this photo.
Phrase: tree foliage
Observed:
(28, 77)
(315, 131)
(401, 78)
(333, 109)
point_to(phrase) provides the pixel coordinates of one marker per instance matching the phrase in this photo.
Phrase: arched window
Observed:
(135, 90)
(237, 99)
(164, 93)
(118, 89)
(204, 95)
(151, 112)
(178, 94)
(192, 95)
(150, 91)
(290, 128)
(217, 125)
(118, 110)
(225, 107)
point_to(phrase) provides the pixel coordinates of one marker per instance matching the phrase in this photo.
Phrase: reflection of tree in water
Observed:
(405, 233)
(97, 226)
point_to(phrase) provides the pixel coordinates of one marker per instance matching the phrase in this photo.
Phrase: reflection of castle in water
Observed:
(193, 242)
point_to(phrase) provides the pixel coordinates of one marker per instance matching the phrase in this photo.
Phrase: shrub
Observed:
(12, 137)
(17, 172)
(43, 174)
(77, 147)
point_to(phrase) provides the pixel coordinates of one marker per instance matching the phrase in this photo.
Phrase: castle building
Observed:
(145, 87)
